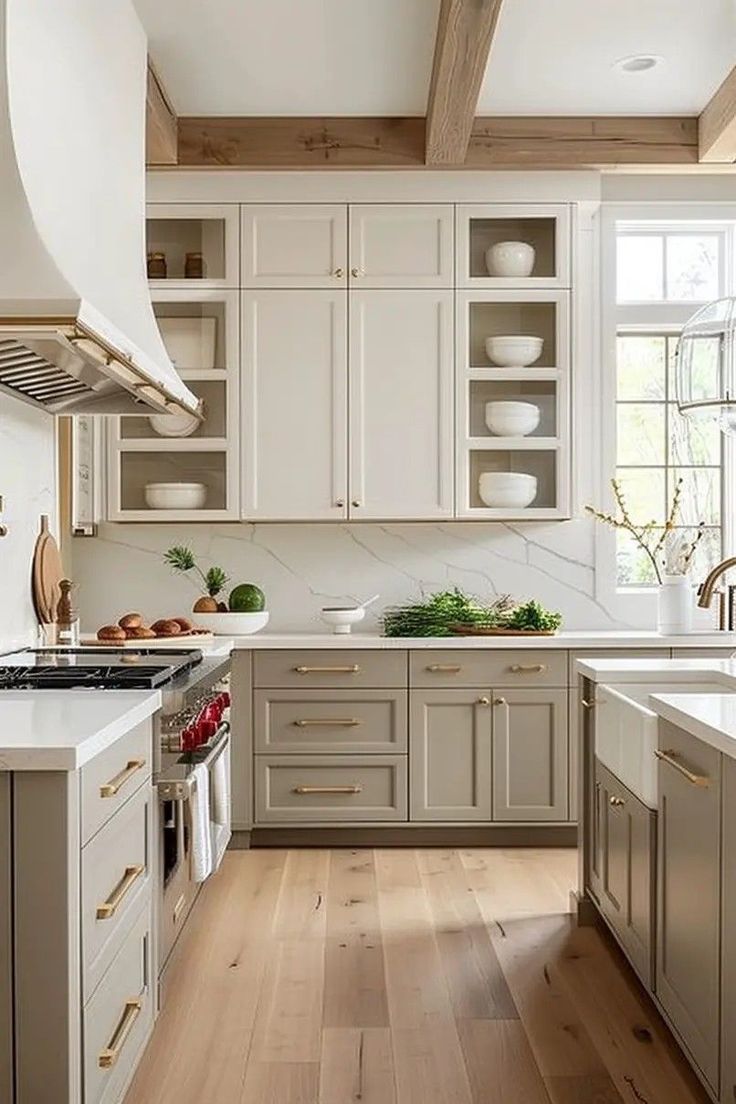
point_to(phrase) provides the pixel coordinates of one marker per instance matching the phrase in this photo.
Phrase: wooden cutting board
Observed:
(184, 640)
(46, 574)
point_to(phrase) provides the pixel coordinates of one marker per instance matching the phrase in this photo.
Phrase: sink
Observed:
(626, 730)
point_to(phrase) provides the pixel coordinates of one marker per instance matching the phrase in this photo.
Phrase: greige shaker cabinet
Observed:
(689, 894)
(530, 755)
(450, 755)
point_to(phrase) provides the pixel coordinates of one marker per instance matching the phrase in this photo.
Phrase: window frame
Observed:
(636, 604)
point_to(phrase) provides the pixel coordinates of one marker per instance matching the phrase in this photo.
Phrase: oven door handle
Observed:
(181, 789)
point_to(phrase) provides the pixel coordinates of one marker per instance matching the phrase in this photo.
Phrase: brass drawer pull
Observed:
(588, 704)
(527, 668)
(109, 1056)
(109, 789)
(447, 668)
(118, 895)
(616, 802)
(351, 669)
(327, 789)
(670, 757)
(339, 722)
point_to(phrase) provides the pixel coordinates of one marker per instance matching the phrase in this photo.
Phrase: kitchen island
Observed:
(657, 840)
(76, 919)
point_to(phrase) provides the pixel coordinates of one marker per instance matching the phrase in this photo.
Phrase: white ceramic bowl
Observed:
(507, 490)
(510, 258)
(342, 620)
(512, 419)
(514, 350)
(173, 425)
(232, 624)
(175, 496)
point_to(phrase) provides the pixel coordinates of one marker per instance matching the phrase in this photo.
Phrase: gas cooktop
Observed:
(83, 668)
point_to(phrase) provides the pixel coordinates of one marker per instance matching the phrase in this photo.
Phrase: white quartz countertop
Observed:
(54, 730)
(658, 670)
(709, 717)
(562, 640)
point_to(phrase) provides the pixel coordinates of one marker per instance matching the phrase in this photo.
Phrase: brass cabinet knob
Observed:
(616, 802)
(340, 503)
(355, 502)
(339, 272)
(356, 272)
(484, 701)
(499, 701)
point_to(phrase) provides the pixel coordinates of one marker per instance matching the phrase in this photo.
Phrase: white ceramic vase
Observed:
(674, 605)
(510, 258)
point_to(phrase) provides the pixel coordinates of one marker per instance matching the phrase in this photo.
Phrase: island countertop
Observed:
(50, 730)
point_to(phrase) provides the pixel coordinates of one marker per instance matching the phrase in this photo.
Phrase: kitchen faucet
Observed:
(726, 599)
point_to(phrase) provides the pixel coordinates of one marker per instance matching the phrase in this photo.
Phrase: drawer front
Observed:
(330, 722)
(330, 668)
(116, 874)
(117, 1020)
(113, 776)
(312, 789)
(488, 668)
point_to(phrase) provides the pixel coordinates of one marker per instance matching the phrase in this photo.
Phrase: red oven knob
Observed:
(188, 738)
(206, 730)
(225, 699)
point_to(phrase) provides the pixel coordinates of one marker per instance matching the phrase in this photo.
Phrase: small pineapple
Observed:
(214, 580)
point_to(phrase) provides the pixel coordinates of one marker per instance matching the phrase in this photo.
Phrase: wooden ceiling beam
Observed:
(465, 31)
(162, 139)
(514, 142)
(717, 124)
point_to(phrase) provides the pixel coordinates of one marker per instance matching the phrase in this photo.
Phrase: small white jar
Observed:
(511, 259)
(674, 605)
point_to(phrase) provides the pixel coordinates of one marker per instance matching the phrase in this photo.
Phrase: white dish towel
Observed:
(201, 828)
(220, 807)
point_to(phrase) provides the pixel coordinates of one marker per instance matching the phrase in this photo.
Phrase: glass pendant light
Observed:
(705, 374)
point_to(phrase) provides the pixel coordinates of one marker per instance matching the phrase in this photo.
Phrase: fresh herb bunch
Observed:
(438, 613)
(181, 558)
(532, 617)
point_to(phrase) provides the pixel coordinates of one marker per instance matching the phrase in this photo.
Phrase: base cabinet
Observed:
(530, 762)
(450, 755)
(689, 895)
(624, 862)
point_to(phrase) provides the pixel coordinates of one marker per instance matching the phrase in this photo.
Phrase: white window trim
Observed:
(637, 606)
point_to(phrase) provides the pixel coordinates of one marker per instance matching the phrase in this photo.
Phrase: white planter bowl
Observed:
(342, 620)
(514, 350)
(507, 490)
(175, 496)
(510, 258)
(232, 624)
(512, 419)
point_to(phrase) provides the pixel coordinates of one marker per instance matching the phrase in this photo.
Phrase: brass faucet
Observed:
(707, 589)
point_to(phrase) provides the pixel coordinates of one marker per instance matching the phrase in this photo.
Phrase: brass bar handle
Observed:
(588, 704)
(107, 1058)
(616, 802)
(348, 669)
(109, 789)
(670, 757)
(109, 907)
(339, 722)
(327, 789)
(527, 668)
(448, 668)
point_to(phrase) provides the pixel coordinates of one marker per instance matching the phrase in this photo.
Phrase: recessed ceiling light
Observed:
(637, 63)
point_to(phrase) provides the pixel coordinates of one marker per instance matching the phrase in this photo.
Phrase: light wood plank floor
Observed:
(403, 977)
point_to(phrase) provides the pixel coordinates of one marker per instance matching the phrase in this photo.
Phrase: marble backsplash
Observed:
(28, 487)
(302, 567)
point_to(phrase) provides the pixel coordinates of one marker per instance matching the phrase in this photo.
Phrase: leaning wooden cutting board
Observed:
(185, 640)
(46, 574)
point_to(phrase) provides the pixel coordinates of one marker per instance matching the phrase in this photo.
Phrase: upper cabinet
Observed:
(505, 245)
(401, 246)
(295, 245)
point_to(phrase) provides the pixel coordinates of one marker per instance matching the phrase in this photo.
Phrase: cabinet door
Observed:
(401, 434)
(728, 999)
(689, 886)
(301, 245)
(294, 405)
(450, 755)
(404, 246)
(626, 834)
(530, 755)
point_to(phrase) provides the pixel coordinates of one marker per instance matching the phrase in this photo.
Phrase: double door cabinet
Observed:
(344, 737)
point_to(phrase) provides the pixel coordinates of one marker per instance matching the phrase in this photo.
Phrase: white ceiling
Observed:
(374, 57)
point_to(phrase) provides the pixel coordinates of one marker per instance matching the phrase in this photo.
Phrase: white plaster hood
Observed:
(77, 330)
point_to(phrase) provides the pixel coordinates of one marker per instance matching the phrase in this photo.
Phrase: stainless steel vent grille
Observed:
(34, 377)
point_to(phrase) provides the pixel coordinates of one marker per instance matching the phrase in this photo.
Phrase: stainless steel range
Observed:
(191, 729)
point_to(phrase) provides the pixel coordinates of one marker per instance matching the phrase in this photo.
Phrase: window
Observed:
(663, 274)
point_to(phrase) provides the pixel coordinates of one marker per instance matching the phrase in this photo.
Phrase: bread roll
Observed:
(140, 632)
(111, 632)
(166, 627)
(130, 621)
(184, 624)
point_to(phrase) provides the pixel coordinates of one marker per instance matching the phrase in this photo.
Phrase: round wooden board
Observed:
(186, 640)
(47, 573)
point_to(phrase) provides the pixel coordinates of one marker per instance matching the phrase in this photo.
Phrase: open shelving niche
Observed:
(545, 452)
(546, 227)
(200, 328)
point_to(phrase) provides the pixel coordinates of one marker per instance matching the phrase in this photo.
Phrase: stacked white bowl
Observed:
(514, 350)
(175, 496)
(512, 419)
(510, 258)
(507, 490)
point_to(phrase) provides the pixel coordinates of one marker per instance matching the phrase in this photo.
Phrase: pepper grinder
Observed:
(67, 618)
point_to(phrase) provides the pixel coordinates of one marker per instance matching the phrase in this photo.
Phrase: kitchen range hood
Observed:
(77, 329)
